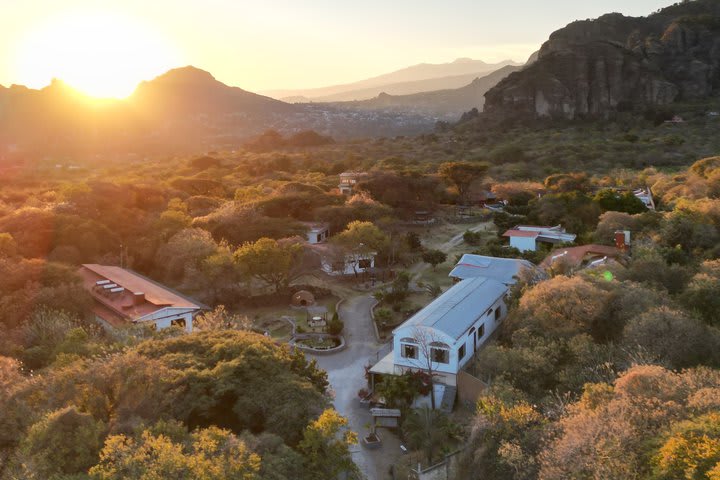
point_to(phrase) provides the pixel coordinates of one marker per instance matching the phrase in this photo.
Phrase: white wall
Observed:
(350, 267)
(523, 244)
(312, 236)
(487, 318)
(163, 318)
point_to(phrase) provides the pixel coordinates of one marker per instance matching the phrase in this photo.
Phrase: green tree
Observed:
(701, 295)
(64, 442)
(269, 261)
(610, 199)
(562, 307)
(673, 338)
(691, 450)
(427, 430)
(434, 257)
(462, 175)
(325, 446)
(228, 386)
(360, 240)
(206, 454)
(220, 319)
(335, 327)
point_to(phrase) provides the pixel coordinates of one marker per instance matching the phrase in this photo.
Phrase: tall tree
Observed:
(462, 175)
(269, 261)
(359, 241)
(427, 430)
(434, 257)
(325, 446)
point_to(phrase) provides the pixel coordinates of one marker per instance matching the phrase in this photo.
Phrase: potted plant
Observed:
(372, 440)
(364, 394)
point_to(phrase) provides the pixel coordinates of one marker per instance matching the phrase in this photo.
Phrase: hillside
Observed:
(617, 63)
(192, 91)
(418, 78)
(177, 110)
(448, 103)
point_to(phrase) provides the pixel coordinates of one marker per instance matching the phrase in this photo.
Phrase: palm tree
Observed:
(427, 429)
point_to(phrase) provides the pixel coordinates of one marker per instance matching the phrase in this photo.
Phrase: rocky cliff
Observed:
(595, 68)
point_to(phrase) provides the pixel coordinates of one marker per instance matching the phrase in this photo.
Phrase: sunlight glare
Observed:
(101, 54)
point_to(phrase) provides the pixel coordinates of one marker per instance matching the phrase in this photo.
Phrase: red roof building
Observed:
(123, 297)
(583, 256)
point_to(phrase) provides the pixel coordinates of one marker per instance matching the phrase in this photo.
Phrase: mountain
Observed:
(448, 103)
(185, 110)
(183, 107)
(615, 63)
(190, 90)
(401, 82)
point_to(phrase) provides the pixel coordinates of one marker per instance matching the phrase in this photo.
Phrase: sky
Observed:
(105, 47)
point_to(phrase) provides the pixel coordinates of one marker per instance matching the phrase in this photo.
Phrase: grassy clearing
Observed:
(270, 318)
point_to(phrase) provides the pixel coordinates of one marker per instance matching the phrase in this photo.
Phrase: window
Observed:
(408, 351)
(498, 313)
(461, 352)
(440, 355)
(180, 322)
(471, 332)
(481, 331)
(364, 263)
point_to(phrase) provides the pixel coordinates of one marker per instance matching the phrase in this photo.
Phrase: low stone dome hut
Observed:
(302, 298)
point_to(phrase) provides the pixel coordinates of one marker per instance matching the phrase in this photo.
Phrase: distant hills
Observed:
(597, 68)
(448, 103)
(187, 109)
(415, 79)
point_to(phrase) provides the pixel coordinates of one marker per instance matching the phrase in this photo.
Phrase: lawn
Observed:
(270, 318)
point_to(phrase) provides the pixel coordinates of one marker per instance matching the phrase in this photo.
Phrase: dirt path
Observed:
(346, 372)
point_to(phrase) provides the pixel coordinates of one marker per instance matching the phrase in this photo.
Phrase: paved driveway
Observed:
(346, 374)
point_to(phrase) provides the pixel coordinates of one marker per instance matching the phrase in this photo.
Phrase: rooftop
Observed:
(453, 312)
(576, 255)
(139, 296)
(555, 234)
(521, 233)
(503, 270)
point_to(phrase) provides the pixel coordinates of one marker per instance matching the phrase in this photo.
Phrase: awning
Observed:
(386, 366)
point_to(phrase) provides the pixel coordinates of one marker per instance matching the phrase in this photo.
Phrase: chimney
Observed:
(138, 298)
(622, 240)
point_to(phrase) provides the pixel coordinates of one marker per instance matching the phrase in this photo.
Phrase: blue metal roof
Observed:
(456, 310)
(501, 269)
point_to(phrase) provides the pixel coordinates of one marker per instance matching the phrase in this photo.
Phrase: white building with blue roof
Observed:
(446, 334)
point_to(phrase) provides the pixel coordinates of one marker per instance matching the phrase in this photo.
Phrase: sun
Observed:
(102, 54)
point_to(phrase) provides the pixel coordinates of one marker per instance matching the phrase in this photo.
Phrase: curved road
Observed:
(346, 372)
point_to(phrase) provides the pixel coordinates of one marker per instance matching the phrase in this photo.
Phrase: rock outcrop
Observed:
(595, 68)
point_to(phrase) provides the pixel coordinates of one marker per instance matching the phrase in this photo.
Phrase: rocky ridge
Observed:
(596, 68)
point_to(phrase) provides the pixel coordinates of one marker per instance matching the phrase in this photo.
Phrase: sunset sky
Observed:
(106, 47)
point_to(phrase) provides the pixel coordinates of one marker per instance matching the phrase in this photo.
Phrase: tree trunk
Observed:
(432, 391)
